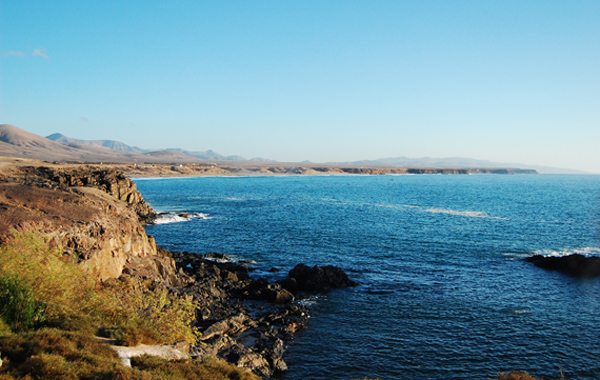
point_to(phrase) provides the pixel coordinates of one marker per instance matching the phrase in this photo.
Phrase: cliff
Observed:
(93, 214)
(97, 216)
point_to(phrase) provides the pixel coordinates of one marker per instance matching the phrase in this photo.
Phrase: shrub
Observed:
(74, 301)
(54, 279)
(210, 368)
(56, 354)
(39, 286)
(4, 328)
(18, 306)
(155, 316)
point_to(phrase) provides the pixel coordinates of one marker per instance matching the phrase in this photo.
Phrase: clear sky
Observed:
(323, 80)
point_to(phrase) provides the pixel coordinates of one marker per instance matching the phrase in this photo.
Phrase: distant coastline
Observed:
(138, 162)
(153, 170)
(228, 170)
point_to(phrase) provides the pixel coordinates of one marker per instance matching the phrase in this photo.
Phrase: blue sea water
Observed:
(445, 293)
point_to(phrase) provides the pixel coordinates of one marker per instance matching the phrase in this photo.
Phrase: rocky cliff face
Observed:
(94, 214)
(109, 181)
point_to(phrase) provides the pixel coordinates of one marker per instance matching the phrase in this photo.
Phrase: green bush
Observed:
(18, 305)
(74, 301)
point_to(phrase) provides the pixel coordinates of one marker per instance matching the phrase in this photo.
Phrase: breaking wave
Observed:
(468, 214)
(400, 206)
(176, 217)
(311, 300)
(585, 251)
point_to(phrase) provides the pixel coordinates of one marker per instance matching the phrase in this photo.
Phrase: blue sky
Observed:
(326, 80)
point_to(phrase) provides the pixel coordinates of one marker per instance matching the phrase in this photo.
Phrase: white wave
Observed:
(236, 199)
(311, 300)
(394, 206)
(518, 311)
(468, 214)
(176, 217)
(135, 179)
(402, 206)
(227, 258)
(585, 251)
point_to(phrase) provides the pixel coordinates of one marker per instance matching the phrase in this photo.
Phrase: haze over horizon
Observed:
(505, 81)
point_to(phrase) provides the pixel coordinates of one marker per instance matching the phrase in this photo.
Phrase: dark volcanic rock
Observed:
(574, 265)
(316, 279)
(261, 289)
(246, 321)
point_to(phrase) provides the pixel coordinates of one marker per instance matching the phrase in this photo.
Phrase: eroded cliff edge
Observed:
(97, 216)
(93, 214)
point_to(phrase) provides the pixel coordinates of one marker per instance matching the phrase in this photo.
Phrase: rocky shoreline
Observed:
(97, 216)
(248, 321)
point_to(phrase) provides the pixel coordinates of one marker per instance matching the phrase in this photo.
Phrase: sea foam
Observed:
(176, 217)
(468, 214)
(585, 251)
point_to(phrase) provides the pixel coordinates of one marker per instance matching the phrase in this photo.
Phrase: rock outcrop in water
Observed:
(575, 265)
(316, 278)
(243, 320)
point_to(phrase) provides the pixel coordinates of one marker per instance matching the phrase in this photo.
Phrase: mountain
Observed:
(109, 144)
(12, 135)
(16, 142)
(20, 143)
(170, 154)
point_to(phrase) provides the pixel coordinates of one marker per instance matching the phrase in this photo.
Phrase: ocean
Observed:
(445, 292)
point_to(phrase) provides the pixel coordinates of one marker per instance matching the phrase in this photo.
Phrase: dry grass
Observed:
(60, 342)
(75, 301)
(210, 368)
(57, 354)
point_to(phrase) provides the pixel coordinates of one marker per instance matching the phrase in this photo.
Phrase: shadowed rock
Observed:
(316, 279)
(573, 265)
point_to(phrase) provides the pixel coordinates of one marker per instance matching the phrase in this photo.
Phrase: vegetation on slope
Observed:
(51, 312)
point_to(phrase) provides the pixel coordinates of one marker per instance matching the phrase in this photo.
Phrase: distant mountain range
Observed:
(83, 144)
(16, 142)
(121, 147)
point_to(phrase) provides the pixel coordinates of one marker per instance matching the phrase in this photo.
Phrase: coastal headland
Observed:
(81, 228)
(86, 223)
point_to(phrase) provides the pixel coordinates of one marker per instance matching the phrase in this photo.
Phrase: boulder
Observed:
(573, 265)
(316, 279)
(261, 289)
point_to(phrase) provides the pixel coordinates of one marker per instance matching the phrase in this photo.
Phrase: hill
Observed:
(16, 142)
(147, 155)
(109, 144)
